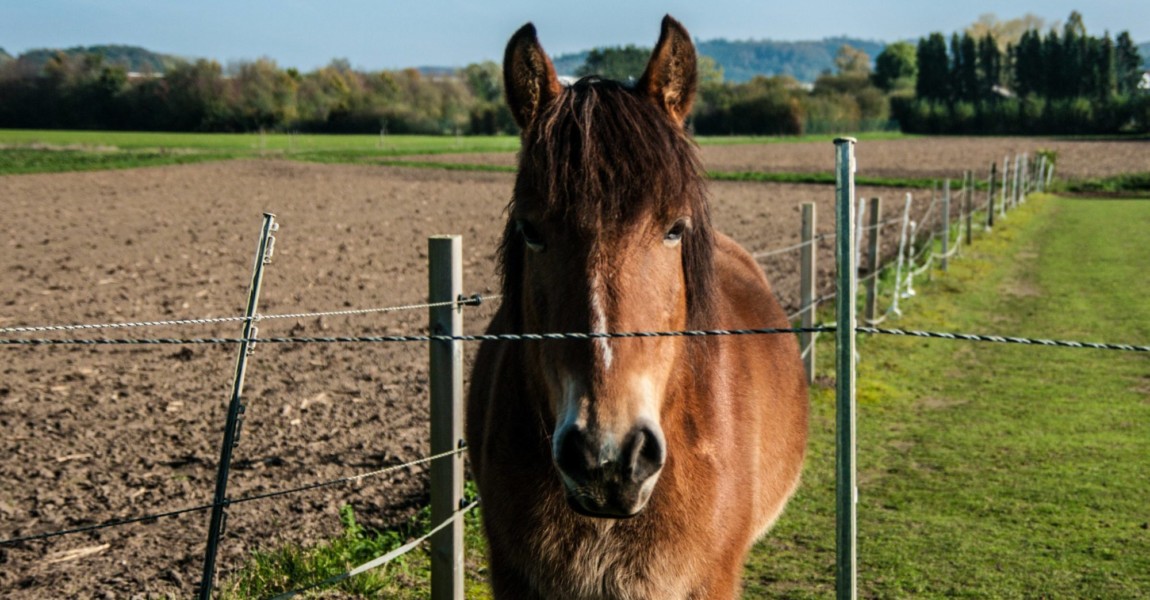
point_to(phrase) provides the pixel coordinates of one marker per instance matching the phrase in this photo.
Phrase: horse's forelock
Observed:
(600, 154)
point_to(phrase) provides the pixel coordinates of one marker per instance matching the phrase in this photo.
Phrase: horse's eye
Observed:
(674, 235)
(530, 235)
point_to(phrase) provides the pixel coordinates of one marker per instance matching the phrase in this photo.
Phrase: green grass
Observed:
(827, 178)
(729, 140)
(1127, 184)
(14, 161)
(255, 143)
(987, 470)
(292, 567)
(32, 151)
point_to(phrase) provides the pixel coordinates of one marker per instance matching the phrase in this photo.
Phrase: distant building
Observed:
(1145, 83)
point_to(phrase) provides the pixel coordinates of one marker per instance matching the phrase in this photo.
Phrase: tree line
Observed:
(86, 91)
(996, 77)
(78, 90)
(1053, 82)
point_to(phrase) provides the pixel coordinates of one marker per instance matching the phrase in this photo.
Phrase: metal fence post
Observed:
(807, 280)
(218, 520)
(445, 375)
(945, 223)
(872, 260)
(846, 492)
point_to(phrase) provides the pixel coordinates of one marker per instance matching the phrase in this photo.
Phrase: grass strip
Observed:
(818, 178)
(994, 471)
(1127, 185)
(17, 161)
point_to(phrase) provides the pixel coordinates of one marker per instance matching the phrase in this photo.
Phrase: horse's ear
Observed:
(672, 73)
(528, 76)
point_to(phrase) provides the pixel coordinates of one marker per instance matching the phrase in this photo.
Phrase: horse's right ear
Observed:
(528, 76)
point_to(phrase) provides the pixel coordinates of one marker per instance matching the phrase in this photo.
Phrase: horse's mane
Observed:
(602, 153)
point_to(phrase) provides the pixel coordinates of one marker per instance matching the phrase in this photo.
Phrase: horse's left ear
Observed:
(672, 73)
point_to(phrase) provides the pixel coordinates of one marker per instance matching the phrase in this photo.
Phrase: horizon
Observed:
(372, 36)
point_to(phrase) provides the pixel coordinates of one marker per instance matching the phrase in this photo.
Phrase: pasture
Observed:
(96, 433)
(986, 470)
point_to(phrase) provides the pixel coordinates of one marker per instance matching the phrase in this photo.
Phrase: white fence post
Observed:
(872, 260)
(945, 223)
(901, 255)
(968, 204)
(807, 288)
(990, 197)
(445, 375)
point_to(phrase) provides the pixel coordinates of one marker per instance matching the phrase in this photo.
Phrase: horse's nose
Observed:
(644, 452)
(607, 479)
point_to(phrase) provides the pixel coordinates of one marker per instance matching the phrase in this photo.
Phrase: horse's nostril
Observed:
(645, 451)
(573, 454)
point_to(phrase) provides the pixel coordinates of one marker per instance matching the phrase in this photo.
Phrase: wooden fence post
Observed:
(445, 376)
(1016, 186)
(1025, 188)
(807, 282)
(1002, 192)
(872, 260)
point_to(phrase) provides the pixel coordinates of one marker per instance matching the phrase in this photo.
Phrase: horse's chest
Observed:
(610, 560)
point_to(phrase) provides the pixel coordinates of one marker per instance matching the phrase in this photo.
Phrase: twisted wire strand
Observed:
(1000, 339)
(397, 338)
(473, 300)
(530, 337)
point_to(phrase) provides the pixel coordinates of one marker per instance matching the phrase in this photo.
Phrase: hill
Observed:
(805, 61)
(742, 60)
(1144, 51)
(132, 58)
(5, 57)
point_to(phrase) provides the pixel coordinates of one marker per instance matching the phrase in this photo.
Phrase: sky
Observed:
(390, 34)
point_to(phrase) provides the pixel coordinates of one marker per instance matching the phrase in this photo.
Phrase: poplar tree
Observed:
(933, 68)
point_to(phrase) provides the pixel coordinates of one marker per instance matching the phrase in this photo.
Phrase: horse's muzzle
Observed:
(607, 480)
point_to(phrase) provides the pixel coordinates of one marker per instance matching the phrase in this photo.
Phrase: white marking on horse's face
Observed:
(647, 397)
(573, 408)
(599, 322)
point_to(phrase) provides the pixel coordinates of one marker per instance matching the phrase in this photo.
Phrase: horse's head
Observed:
(608, 232)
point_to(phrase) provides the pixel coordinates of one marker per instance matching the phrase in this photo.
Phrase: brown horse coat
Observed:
(626, 468)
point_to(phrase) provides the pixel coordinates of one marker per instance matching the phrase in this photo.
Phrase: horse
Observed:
(626, 468)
